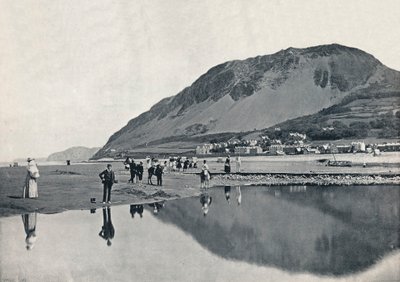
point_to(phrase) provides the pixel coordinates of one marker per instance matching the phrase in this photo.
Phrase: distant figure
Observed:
(238, 195)
(108, 179)
(151, 172)
(30, 189)
(148, 162)
(159, 172)
(29, 221)
(165, 167)
(132, 170)
(185, 165)
(127, 163)
(227, 165)
(107, 230)
(228, 194)
(136, 209)
(205, 175)
(157, 206)
(205, 201)
(139, 172)
(178, 164)
(238, 164)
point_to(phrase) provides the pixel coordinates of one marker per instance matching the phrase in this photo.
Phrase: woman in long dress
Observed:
(30, 188)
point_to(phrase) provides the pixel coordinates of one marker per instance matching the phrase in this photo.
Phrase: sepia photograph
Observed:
(213, 140)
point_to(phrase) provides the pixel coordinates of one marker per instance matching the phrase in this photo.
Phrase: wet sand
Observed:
(71, 187)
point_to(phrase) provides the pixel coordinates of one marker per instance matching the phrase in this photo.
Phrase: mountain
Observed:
(74, 154)
(256, 93)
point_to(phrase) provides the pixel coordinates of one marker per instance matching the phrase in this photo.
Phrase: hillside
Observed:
(256, 93)
(74, 154)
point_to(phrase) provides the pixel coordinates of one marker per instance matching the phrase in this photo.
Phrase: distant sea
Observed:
(39, 162)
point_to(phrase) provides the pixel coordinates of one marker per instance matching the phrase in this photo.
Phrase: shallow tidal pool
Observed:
(290, 233)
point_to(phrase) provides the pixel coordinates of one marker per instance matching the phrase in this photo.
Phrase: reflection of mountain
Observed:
(336, 231)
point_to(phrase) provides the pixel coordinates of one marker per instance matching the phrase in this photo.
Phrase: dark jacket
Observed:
(107, 176)
(139, 169)
(159, 171)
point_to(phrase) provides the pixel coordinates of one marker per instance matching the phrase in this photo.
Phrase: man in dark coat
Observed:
(151, 172)
(139, 172)
(108, 179)
(159, 173)
(133, 170)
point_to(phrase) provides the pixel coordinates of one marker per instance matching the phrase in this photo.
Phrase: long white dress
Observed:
(31, 188)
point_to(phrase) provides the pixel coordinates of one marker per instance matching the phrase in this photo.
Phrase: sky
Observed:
(74, 72)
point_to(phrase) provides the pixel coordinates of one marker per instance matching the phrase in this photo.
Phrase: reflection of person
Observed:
(238, 195)
(205, 175)
(205, 200)
(107, 230)
(29, 221)
(136, 209)
(157, 206)
(108, 179)
(228, 194)
(227, 165)
(30, 188)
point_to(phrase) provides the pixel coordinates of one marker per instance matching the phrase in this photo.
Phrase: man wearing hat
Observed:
(108, 179)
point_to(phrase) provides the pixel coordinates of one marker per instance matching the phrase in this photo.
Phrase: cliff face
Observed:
(258, 92)
(73, 154)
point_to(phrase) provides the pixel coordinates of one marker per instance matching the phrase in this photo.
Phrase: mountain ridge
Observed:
(258, 92)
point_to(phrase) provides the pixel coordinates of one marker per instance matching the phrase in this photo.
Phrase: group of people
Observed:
(136, 171)
(227, 164)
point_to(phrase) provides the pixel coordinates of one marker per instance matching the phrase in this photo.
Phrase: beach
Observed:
(63, 187)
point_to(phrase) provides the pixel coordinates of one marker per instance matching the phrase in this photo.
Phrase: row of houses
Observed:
(300, 148)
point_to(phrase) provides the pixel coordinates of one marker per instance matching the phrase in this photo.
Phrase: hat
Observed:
(29, 159)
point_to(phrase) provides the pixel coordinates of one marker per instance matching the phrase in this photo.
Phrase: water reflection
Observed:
(29, 221)
(133, 209)
(205, 200)
(228, 194)
(107, 231)
(157, 206)
(324, 230)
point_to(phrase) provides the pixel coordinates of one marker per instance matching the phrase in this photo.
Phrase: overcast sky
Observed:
(74, 72)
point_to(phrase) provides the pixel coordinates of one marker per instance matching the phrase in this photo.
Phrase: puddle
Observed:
(227, 234)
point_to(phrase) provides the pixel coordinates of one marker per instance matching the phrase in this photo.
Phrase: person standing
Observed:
(238, 164)
(227, 166)
(205, 175)
(150, 173)
(108, 179)
(132, 169)
(139, 172)
(30, 189)
(159, 173)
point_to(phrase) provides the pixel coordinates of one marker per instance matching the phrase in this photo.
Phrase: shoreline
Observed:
(63, 187)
